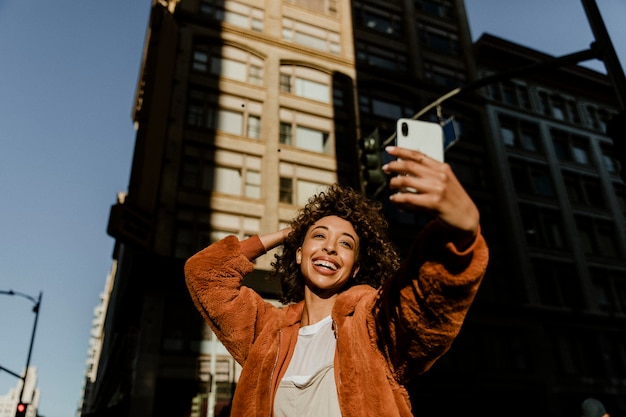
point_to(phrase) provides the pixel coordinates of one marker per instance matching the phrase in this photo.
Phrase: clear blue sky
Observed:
(68, 72)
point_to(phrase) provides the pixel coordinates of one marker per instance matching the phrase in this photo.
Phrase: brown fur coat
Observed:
(384, 337)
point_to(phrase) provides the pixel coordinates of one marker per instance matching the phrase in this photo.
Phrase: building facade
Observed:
(245, 108)
(547, 330)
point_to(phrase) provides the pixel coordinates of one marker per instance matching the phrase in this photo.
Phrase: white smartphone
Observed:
(426, 137)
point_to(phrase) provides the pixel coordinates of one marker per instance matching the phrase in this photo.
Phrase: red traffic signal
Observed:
(21, 409)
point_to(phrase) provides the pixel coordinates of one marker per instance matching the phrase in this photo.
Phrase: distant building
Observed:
(95, 342)
(244, 108)
(30, 396)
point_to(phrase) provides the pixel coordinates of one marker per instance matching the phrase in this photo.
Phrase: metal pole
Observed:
(30, 348)
(609, 57)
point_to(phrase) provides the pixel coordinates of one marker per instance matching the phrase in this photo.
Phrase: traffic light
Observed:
(373, 178)
(21, 409)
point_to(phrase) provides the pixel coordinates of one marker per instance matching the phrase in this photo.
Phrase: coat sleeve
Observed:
(419, 311)
(213, 277)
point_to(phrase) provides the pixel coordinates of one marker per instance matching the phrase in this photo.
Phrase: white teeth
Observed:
(326, 264)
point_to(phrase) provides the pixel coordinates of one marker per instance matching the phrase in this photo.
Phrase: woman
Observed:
(357, 325)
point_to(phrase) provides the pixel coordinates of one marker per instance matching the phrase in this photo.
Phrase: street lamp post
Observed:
(37, 305)
(608, 55)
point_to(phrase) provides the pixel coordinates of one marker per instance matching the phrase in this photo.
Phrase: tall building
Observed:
(548, 329)
(96, 339)
(245, 108)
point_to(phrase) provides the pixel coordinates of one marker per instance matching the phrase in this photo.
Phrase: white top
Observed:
(308, 388)
(314, 350)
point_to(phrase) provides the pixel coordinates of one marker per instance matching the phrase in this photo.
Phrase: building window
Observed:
(328, 7)
(285, 83)
(227, 180)
(196, 168)
(311, 36)
(305, 138)
(493, 91)
(383, 107)
(195, 230)
(608, 160)
(306, 83)
(597, 118)
(570, 148)
(293, 189)
(234, 13)
(228, 62)
(191, 234)
(543, 228)
(439, 40)
(225, 114)
(510, 93)
(584, 190)
(252, 185)
(558, 107)
(312, 90)
(286, 190)
(580, 152)
(286, 137)
(378, 20)
(228, 121)
(237, 181)
(442, 9)
(597, 237)
(520, 135)
(306, 131)
(384, 58)
(312, 139)
(306, 189)
(523, 96)
(572, 111)
(255, 74)
(200, 61)
(444, 76)
(206, 170)
(254, 127)
(533, 179)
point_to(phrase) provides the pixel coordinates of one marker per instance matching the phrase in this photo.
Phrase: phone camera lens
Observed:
(405, 128)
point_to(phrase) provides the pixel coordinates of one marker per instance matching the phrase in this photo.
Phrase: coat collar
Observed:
(344, 306)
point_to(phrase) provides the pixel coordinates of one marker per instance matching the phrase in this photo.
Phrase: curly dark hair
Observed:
(377, 258)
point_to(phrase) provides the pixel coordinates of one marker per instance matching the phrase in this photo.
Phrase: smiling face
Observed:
(328, 256)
